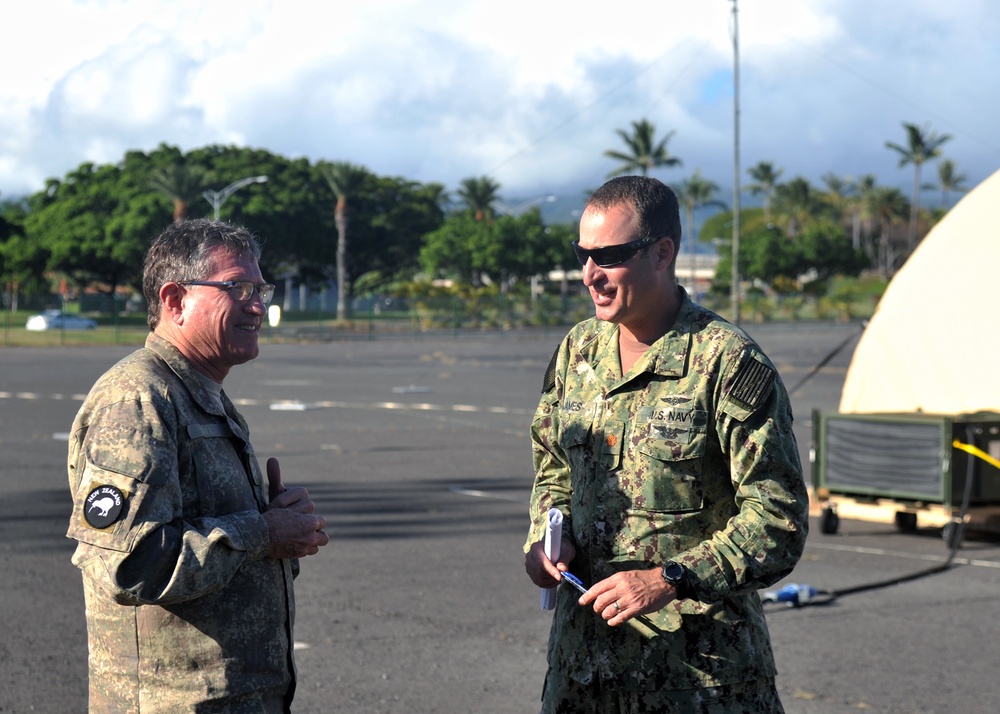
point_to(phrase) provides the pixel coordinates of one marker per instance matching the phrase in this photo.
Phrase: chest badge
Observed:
(103, 506)
(611, 440)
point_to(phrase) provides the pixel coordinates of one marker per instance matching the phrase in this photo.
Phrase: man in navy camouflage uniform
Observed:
(187, 551)
(664, 436)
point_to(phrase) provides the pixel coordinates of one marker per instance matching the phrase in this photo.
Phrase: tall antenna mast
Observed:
(735, 290)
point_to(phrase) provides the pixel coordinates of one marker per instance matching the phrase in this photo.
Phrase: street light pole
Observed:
(217, 198)
(735, 292)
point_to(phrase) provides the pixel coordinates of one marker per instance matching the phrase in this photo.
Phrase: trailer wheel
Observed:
(829, 521)
(906, 522)
(951, 534)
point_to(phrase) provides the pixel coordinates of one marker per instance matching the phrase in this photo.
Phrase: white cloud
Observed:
(528, 92)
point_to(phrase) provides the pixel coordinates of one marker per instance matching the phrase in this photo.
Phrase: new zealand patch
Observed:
(752, 384)
(103, 506)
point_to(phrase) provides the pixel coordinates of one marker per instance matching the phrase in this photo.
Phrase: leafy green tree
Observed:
(390, 224)
(798, 203)
(346, 181)
(480, 196)
(290, 212)
(501, 251)
(820, 250)
(447, 252)
(96, 223)
(644, 152)
(765, 178)
(769, 256)
(949, 179)
(22, 262)
(921, 145)
(825, 250)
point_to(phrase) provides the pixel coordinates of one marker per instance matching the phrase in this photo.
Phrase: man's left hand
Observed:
(627, 594)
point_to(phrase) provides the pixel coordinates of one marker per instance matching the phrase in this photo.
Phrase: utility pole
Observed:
(735, 290)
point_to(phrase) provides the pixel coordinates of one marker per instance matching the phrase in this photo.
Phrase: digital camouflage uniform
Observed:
(184, 611)
(689, 457)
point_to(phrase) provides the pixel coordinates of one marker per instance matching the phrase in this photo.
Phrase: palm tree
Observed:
(765, 178)
(644, 152)
(798, 201)
(949, 180)
(887, 205)
(181, 184)
(694, 193)
(921, 145)
(842, 197)
(480, 195)
(346, 180)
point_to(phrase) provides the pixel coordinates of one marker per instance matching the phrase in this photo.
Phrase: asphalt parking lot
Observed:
(416, 450)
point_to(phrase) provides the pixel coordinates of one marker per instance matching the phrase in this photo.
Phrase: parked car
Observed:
(55, 320)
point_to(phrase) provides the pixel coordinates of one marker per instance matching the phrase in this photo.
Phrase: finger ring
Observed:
(617, 606)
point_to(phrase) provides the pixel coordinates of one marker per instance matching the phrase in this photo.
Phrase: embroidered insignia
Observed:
(752, 384)
(549, 380)
(611, 440)
(103, 506)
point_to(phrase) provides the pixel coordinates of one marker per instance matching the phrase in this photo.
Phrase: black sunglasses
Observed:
(612, 254)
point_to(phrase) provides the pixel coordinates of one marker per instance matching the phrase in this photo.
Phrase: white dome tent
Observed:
(918, 429)
(933, 344)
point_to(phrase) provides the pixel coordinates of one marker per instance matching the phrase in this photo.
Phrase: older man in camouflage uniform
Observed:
(664, 436)
(187, 552)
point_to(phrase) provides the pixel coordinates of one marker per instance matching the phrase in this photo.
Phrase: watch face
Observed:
(672, 572)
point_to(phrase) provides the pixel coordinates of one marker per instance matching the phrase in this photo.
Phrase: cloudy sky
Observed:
(529, 92)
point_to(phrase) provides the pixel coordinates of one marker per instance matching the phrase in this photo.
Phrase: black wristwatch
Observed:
(676, 575)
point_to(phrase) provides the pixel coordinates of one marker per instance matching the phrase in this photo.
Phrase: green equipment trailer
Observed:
(909, 469)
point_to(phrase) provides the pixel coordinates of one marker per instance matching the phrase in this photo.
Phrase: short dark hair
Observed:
(183, 251)
(655, 204)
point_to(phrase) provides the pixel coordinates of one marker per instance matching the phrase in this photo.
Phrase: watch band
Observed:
(676, 575)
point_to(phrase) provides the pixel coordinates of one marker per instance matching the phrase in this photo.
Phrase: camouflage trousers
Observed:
(564, 695)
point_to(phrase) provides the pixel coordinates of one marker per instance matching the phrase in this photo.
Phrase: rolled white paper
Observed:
(553, 538)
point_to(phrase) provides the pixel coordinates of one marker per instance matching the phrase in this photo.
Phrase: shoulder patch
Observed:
(752, 384)
(103, 506)
(549, 381)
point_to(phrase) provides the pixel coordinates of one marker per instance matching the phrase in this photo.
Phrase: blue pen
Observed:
(574, 581)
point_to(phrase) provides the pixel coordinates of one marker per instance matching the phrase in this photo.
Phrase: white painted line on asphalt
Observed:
(901, 554)
(290, 405)
(477, 493)
(411, 389)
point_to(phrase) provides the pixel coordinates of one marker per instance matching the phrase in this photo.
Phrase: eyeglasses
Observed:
(239, 290)
(612, 254)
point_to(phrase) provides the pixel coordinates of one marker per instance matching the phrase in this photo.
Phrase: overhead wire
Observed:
(600, 98)
(897, 96)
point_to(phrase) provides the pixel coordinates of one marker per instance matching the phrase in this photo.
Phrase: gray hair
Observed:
(184, 251)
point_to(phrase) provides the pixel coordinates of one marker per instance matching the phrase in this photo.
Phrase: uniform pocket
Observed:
(669, 469)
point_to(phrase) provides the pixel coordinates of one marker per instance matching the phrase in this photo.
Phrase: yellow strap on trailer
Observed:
(979, 453)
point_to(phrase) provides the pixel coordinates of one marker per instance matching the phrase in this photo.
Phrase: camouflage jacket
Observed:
(184, 611)
(688, 457)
